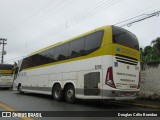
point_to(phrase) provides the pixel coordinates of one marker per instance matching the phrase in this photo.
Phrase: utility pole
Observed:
(3, 42)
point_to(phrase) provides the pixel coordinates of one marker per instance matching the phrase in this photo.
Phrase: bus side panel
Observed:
(89, 79)
(6, 81)
(84, 74)
(89, 84)
(42, 80)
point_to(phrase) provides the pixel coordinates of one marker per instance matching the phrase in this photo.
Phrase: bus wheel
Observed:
(57, 92)
(70, 94)
(20, 89)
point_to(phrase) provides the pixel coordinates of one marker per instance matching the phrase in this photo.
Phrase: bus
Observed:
(102, 64)
(6, 75)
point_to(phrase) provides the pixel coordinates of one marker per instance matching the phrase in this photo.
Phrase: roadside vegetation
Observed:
(151, 53)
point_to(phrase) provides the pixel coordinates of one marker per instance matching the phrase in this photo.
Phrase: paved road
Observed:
(38, 102)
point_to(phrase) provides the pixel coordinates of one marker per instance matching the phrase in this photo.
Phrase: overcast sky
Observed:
(29, 25)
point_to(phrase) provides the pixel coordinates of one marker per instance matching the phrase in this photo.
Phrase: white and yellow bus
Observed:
(6, 75)
(101, 64)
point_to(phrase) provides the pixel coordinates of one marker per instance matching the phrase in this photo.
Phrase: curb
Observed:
(148, 106)
(140, 105)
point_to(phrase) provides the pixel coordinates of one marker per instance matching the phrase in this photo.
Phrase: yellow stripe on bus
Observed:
(5, 71)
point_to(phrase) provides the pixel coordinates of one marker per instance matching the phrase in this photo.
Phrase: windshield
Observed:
(124, 37)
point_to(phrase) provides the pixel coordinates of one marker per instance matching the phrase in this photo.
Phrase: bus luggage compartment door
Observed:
(91, 81)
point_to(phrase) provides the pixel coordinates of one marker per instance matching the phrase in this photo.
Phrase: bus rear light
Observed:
(109, 78)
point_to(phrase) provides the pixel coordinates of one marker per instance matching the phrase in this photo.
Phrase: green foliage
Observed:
(151, 54)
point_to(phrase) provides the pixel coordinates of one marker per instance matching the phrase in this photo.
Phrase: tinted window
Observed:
(6, 67)
(76, 48)
(39, 59)
(93, 42)
(124, 37)
(46, 56)
(26, 63)
(61, 52)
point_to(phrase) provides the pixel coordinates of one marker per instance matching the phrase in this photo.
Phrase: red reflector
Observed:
(109, 78)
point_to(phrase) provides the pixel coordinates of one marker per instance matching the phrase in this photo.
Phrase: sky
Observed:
(30, 25)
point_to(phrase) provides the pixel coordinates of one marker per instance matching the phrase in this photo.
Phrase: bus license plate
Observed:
(127, 94)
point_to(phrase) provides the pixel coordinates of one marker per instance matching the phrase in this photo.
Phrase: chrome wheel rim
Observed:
(57, 92)
(70, 94)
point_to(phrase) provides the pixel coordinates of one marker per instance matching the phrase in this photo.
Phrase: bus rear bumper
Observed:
(120, 95)
(125, 98)
(120, 98)
(5, 86)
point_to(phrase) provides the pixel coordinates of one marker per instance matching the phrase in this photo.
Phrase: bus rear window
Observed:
(124, 37)
(6, 67)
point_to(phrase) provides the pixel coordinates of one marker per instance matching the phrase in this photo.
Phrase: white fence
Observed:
(150, 82)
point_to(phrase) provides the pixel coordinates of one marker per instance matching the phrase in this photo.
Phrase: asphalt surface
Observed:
(39, 102)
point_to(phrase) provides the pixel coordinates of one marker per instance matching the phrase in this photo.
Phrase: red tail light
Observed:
(109, 78)
(139, 81)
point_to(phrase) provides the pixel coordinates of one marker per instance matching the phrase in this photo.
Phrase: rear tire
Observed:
(20, 89)
(70, 94)
(57, 92)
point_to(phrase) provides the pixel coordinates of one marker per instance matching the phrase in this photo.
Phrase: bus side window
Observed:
(93, 42)
(76, 48)
(61, 52)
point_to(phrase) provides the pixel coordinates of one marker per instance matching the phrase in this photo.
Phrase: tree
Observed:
(156, 45)
(151, 54)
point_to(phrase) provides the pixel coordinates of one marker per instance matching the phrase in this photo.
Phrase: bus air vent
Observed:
(126, 59)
